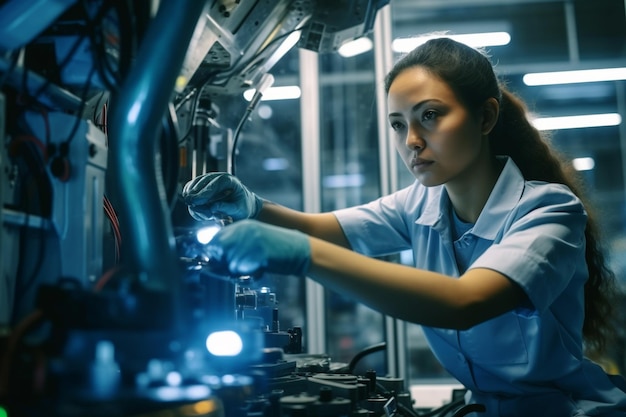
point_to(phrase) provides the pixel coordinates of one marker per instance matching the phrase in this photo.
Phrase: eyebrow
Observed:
(415, 107)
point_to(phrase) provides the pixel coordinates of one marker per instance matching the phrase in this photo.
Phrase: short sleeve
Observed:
(380, 227)
(543, 248)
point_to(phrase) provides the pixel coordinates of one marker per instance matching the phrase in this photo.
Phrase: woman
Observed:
(508, 277)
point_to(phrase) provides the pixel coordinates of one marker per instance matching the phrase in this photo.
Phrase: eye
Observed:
(396, 125)
(429, 115)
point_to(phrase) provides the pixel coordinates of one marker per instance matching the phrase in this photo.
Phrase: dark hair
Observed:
(469, 73)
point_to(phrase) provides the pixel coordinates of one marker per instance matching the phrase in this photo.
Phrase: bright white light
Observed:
(224, 343)
(475, 40)
(287, 92)
(577, 122)
(205, 234)
(355, 47)
(174, 379)
(583, 164)
(193, 392)
(572, 77)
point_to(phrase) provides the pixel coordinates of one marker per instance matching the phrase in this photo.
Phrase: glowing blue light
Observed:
(205, 234)
(224, 343)
(174, 379)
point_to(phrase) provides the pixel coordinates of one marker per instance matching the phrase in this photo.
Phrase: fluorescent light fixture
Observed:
(343, 181)
(572, 77)
(288, 92)
(583, 164)
(355, 47)
(475, 40)
(577, 122)
(275, 164)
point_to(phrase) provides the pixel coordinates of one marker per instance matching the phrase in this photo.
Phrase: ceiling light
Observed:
(286, 92)
(584, 164)
(577, 122)
(475, 40)
(355, 47)
(571, 77)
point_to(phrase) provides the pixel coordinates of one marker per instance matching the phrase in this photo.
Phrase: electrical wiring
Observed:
(62, 65)
(106, 43)
(115, 225)
(106, 277)
(109, 77)
(363, 353)
(236, 135)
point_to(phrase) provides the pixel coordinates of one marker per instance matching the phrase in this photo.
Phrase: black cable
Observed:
(233, 151)
(62, 64)
(94, 28)
(363, 353)
(469, 408)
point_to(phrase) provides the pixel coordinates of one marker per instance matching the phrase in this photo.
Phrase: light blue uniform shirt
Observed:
(527, 362)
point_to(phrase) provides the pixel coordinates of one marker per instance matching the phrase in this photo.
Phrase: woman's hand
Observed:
(250, 247)
(219, 195)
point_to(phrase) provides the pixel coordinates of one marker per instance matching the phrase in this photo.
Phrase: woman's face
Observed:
(437, 137)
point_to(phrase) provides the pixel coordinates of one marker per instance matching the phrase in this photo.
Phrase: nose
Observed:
(414, 140)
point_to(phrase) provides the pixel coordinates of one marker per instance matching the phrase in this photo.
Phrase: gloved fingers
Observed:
(249, 247)
(213, 189)
(199, 213)
(215, 183)
(198, 183)
(226, 208)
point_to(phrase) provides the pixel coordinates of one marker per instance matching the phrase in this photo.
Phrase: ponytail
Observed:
(516, 137)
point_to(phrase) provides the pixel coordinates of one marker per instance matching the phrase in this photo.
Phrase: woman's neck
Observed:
(470, 193)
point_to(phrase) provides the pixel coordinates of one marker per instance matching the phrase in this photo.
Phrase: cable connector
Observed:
(266, 82)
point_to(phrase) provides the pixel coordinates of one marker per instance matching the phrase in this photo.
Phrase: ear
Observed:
(490, 112)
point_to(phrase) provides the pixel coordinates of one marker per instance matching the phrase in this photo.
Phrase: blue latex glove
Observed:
(220, 195)
(250, 247)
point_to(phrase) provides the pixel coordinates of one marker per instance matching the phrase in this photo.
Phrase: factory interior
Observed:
(109, 107)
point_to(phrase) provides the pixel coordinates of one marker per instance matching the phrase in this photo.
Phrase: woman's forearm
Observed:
(412, 294)
(320, 225)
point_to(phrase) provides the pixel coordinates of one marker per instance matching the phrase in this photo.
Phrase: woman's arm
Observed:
(411, 294)
(320, 225)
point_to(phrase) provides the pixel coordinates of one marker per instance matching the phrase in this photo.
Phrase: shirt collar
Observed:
(503, 198)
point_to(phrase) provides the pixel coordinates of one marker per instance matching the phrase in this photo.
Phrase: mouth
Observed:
(417, 163)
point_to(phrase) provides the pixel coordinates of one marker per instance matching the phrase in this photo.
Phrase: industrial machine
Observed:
(107, 305)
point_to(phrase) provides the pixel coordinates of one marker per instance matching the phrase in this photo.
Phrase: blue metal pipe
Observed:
(135, 183)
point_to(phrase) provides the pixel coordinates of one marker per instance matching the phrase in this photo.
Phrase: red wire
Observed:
(115, 224)
(106, 277)
(27, 139)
